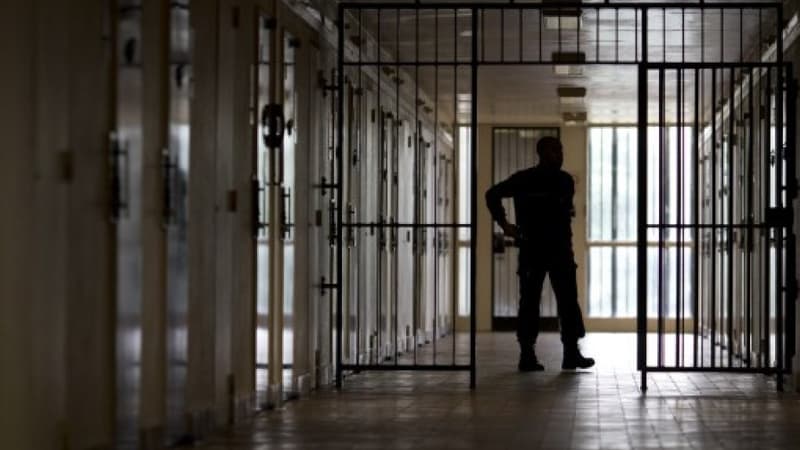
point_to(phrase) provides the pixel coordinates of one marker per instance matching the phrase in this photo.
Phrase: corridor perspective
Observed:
(247, 224)
(598, 409)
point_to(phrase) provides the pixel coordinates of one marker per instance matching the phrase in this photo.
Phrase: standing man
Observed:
(543, 205)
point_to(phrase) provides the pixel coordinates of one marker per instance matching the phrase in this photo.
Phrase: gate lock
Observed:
(779, 217)
(272, 123)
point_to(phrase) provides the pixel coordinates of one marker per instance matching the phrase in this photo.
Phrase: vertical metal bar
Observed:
(473, 199)
(683, 34)
(417, 198)
(730, 192)
(696, 217)
(597, 33)
(766, 143)
(760, 35)
(714, 146)
(458, 162)
(437, 237)
(663, 199)
(741, 35)
(483, 33)
(457, 139)
(663, 34)
(339, 193)
(791, 194)
(749, 211)
(636, 35)
(394, 246)
(381, 197)
(559, 30)
(614, 162)
(679, 229)
(541, 58)
(641, 232)
(361, 100)
(702, 35)
(781, 292)
(616, 35)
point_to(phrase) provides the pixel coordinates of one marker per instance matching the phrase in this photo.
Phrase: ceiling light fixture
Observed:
(567, 70)
(568, 63)
(569, 95)
(574, 118)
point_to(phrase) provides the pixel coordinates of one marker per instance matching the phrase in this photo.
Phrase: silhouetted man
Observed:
(543, 206)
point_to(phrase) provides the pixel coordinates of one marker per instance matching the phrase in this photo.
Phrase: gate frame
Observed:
(641, 60)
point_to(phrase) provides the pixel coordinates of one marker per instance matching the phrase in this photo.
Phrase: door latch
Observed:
(272, 125)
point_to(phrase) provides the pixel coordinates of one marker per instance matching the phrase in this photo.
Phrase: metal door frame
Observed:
(499, 323)
(781, 223)
(477, 60)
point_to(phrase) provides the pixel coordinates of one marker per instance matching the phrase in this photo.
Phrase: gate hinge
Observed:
(324, 286)
(323, 83)
(779, 217)
(324, 185)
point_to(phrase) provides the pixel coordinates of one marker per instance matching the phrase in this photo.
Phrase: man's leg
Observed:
(531, 280)
(565, 286)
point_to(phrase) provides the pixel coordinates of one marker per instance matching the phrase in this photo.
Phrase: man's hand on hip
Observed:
(510, 230)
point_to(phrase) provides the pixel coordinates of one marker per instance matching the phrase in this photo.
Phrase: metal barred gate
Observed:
(716, 128)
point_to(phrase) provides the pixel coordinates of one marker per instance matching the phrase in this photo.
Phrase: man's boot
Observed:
(527, 360)
(573, 358)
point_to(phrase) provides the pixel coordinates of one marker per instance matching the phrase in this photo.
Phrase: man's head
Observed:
(550, 152)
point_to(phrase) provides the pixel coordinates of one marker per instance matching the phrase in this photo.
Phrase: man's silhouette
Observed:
(543, 206)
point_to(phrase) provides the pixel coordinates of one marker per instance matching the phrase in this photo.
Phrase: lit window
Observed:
(612, 221)
(463, 237)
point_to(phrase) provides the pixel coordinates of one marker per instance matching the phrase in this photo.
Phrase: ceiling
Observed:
(527, 93)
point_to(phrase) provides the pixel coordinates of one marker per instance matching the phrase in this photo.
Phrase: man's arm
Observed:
(494, 200)
(571, 195)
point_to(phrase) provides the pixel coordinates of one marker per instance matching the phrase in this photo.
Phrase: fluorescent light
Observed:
(571, 100)
(574, 118)
(567, 70)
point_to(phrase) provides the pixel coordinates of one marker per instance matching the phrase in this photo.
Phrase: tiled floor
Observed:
(595, 409)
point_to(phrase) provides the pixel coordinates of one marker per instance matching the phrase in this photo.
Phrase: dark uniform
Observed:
(544, 210)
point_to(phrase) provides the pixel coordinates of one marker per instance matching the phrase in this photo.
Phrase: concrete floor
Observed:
(601, 408)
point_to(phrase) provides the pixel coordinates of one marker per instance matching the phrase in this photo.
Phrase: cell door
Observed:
(176, 172)
(716, 246)
(285, 63)
(126, 164)
(514, 149)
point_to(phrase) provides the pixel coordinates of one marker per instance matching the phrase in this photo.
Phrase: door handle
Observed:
(286, 212)
(272, 124)
(118, 152)
(258, 206)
